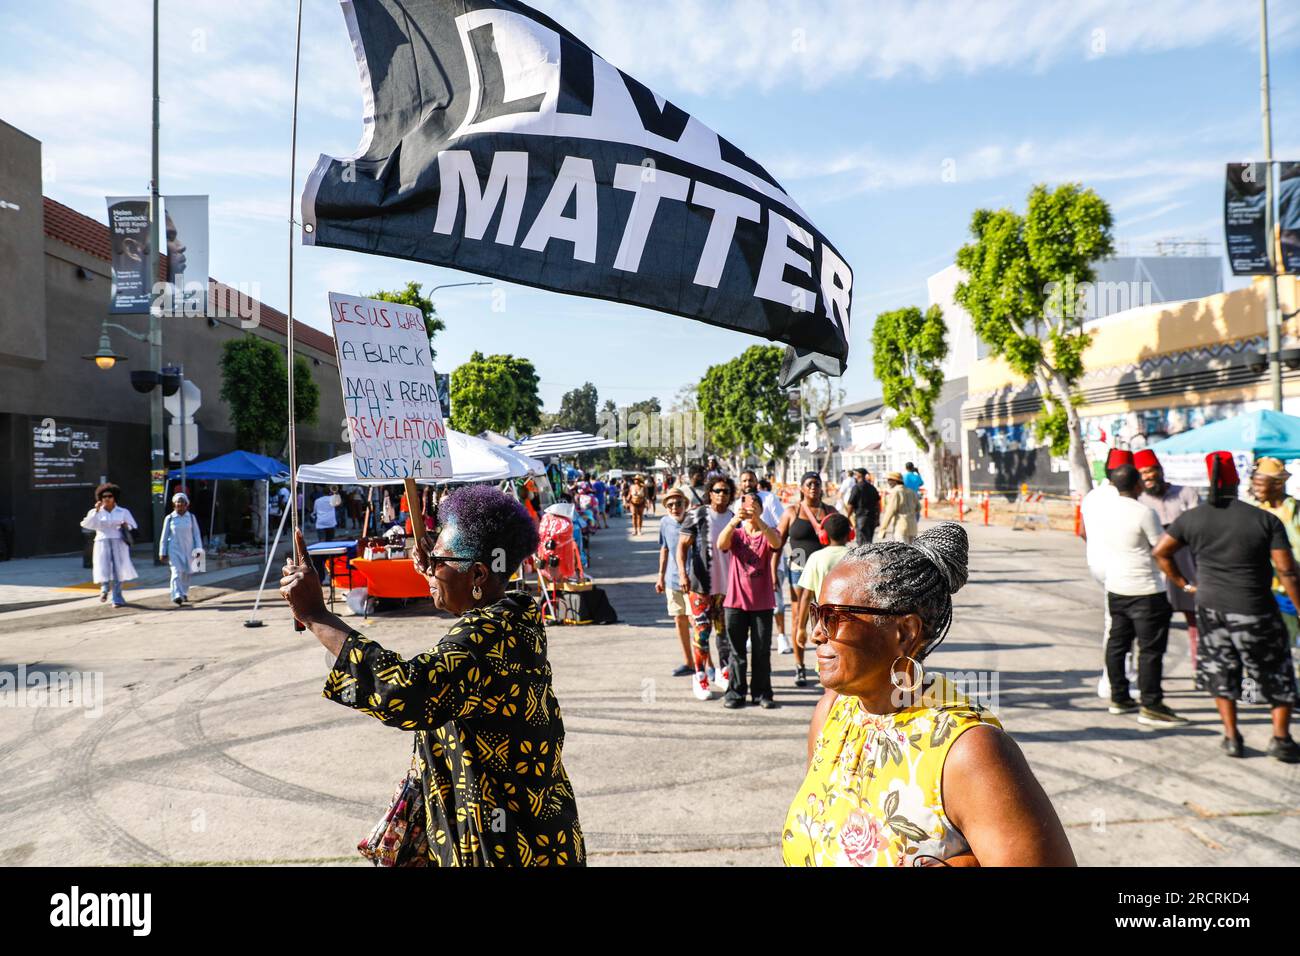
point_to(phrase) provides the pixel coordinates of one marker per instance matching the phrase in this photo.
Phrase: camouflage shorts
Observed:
(1256, 644)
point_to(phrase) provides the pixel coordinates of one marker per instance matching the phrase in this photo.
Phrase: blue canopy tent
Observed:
(1262, 433)
(236, 466)
(1248, 436)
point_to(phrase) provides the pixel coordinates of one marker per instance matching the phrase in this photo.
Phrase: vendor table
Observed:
(391, 578)
(326, 555)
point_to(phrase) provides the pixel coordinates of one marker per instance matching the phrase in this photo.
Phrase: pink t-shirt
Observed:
(749, 573)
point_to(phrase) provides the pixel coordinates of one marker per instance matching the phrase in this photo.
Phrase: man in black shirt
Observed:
(864, 507)
(697, 492)
(1237, 548)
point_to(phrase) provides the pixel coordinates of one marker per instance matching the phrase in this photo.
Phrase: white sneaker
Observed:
(783, 644)
(701, 686)
(724, 680)
(1103, 686)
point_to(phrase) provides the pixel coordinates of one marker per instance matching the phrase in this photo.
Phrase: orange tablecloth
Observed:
(391, 578)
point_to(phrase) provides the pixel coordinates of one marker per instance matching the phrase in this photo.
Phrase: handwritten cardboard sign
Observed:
(390, 395)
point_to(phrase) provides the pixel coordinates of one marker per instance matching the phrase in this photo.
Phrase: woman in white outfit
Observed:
(113, 564)
(180, 539)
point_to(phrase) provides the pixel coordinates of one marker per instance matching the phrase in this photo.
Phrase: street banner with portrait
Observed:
(128, 228)
(1288, 215)
(1244, 219)
(390, 397)
(185, 224)
(498, 143)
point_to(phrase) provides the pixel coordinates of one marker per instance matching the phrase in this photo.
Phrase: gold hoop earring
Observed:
(894, 678)
(477, 592)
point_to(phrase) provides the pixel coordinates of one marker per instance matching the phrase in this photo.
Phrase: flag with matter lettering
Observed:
(498, 143)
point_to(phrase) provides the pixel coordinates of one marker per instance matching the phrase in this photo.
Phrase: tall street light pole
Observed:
(158, 471)
(1274, 324)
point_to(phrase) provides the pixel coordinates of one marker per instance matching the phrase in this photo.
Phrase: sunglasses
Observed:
(829, 616)
(428, 563)
(719, 491)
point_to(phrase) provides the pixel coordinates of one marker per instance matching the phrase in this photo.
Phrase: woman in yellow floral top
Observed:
(904, 770)
(487, 725)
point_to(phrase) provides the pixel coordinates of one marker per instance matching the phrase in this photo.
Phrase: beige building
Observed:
(1152, 371)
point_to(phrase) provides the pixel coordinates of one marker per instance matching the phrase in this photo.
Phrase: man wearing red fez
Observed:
(1116, 457)
(1125, 531)
(1088, 509)
(1237, 547)
(1168, 502)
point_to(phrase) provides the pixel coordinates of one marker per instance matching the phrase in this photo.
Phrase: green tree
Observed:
(527, 414)
(641, 425)
(411, 296)
(578, 410)
(255, 387)
(494, 391)
(908, 348)
(745, 410)
(719, 403)
(1025, 283)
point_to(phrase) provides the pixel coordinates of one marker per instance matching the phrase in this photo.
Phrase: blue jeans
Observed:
(116, 587)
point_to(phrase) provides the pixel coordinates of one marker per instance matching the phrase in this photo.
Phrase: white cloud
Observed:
(707, 46)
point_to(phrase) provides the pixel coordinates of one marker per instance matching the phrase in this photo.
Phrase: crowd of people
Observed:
(733, 557)
(902, 770)
(1227, 566)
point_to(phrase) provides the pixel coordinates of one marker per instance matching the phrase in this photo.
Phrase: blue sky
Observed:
(857, 107)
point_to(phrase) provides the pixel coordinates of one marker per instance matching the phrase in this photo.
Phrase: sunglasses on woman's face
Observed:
(428, 563)
(719, 491)
(830, 616)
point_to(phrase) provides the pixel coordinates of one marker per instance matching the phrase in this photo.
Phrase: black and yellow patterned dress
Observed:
(489, 735)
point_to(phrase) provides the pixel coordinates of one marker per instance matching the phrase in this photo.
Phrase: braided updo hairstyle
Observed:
(920, 577)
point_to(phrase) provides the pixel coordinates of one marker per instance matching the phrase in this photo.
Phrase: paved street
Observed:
(214, 745)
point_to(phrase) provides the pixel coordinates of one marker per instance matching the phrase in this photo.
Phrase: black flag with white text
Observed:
(498, 143)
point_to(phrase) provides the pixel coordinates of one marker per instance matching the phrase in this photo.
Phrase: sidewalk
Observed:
(32, 587)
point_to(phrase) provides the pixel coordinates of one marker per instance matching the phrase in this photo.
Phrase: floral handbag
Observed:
(399, 838)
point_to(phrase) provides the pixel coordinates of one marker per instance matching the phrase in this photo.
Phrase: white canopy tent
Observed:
(555, 444)
(472, 459)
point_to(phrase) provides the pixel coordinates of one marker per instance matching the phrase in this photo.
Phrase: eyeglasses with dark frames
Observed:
(719, 491)
(829, 615)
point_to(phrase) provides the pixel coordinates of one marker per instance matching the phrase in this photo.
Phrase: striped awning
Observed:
(552, 444)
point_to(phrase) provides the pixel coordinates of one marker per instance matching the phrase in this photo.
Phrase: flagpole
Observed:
(293, 176)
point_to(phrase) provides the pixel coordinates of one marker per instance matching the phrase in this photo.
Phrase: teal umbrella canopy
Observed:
(1262, 433)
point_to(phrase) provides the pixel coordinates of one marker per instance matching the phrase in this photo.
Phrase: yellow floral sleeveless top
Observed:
(872, 796)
